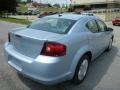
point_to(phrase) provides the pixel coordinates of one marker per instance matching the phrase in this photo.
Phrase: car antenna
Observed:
(59, 15)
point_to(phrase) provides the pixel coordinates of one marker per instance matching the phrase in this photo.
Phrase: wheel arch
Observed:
(84, 51)
(89, 53)
(112, 37)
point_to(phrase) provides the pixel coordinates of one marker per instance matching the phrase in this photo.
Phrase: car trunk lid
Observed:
(29, 42)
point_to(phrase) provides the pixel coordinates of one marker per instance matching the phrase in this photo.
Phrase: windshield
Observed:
(56, 25)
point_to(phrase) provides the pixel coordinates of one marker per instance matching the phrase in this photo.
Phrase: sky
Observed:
(53, 1)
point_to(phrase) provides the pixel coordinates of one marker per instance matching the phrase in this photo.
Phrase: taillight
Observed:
(9, 37)
(53, 49)
(114, 20)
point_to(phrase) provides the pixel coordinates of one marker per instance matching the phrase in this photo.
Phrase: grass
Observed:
(14, 20)
(51, 9)
(21, 7)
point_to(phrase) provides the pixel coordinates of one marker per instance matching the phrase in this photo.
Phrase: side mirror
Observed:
(109, 29)
(27, 26)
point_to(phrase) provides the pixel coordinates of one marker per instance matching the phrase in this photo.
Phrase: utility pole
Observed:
(106, 10)
(40, 6)
(66, 5)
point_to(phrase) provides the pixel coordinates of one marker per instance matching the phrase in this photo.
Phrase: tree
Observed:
(24, 1)
(63, 6)
(18, 1)
(49, 5)
(29, 1)
(8, 5)
(57, 5)
(71, 8)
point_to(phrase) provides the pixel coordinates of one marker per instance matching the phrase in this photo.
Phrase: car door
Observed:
(105, 35)
(95, 38)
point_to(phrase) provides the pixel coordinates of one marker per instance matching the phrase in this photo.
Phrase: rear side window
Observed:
(101, 25)
(92, 26)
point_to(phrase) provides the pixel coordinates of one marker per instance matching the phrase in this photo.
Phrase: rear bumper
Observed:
(45, 70)
(115, 23)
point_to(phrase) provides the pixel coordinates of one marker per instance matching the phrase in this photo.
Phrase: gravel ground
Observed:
(104, 72)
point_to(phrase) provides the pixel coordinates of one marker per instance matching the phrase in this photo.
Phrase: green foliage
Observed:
(51, 9)
(29, 1)
(8, 5)
(49, 5)
(57, 5)
(23, 2)
(14, 20)
(63, 6)
(18, 1)
(21, 7)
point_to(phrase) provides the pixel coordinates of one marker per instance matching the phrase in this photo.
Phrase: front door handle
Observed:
(90, 38)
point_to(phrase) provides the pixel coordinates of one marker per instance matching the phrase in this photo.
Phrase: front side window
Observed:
(102, 26)
(92, 26)
(56, 25)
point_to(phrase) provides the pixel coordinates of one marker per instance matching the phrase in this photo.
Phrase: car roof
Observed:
(117, 17)
(71, 16)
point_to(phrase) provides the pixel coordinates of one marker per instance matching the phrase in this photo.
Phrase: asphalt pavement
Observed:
(104, 72)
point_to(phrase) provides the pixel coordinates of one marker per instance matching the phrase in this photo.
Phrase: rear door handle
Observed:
(18, 36)
(91, 38)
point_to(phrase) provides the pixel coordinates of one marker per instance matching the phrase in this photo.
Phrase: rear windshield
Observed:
(56, 25)
(117, 17)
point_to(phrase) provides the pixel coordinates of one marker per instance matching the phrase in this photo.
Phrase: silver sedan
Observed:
(57, 48)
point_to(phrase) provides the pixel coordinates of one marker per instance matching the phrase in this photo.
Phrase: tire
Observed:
(77, 79)
(113, 24)
(110, 45)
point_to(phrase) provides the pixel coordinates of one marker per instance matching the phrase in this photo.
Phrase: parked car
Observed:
(46, 14)
(90, 14)
(33, 12)
(116, 21)
(25, 13)
(19, 13)
(57, 48)
(42, 14)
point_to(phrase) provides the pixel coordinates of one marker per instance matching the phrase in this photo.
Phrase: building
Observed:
(34, 6)
(99, 7)
(95, 4)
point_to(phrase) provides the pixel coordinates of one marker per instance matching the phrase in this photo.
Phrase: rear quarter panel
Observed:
(77, 45)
